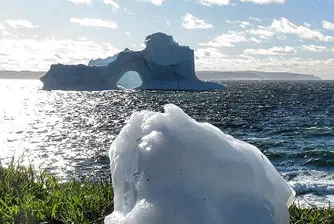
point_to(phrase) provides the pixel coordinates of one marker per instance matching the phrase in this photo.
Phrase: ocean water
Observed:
(69, 133)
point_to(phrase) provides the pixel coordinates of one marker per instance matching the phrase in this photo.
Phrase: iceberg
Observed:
(162, 65)
(168, 168)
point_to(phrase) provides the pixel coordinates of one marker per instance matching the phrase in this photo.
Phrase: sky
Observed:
(227, 35)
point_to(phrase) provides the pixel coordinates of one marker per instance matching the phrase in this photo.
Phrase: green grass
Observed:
(30, 197)
(311, 215)
(27, 196)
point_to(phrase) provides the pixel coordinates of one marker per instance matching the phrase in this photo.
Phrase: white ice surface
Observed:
(168, 168)
(161, 49)
(162, 65)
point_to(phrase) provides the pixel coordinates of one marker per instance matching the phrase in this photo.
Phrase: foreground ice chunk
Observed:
(168, 168)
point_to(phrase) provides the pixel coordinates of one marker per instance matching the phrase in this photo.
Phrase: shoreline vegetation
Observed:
(28, 196)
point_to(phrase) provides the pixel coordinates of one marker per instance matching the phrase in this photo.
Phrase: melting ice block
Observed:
(168, 168)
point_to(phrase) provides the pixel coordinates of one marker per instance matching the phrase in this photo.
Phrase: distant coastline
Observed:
(253, 75)
(203, 75)
(21, 74)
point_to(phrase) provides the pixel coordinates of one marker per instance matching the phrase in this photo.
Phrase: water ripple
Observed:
(69, 132)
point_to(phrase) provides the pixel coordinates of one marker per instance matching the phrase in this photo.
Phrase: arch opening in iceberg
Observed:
(130, 80)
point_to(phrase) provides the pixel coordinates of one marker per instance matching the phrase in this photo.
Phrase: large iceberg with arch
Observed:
(168, 168)
(162, 65)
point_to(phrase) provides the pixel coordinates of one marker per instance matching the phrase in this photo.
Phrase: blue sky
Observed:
(266, 35)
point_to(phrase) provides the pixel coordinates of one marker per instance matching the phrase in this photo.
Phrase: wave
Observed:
(313, 182)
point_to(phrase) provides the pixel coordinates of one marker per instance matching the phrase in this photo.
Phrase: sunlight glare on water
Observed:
(69, 132)
(17, 112)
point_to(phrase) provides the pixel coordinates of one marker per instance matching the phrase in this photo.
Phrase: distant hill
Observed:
(20, 75)
(253, 75)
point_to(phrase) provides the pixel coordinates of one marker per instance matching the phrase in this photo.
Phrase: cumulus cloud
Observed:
(2, 27)
(21, 23)
(128, 33)
(81, 1)
(327, 25)
(284, 25)
(114, 5)
(271, 51)
(34, 54)
(262, 33)
(226, 40)
(191, 22)
(214, 2)
(94, 22)
(262, 2)
(315, 48)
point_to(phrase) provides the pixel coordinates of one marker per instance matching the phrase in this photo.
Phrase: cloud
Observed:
(34, 54)
(255, 19)
(214, 2)
(281, 63)
(21, 23)
(94, 22)
(284, 25)
(8, 34)
(307, 24)
(128, 33)
(154, 2)
(114, 5)
(208, 52)
(226, 40)
(2, 27)
(327, 25)
(81, 1)
(262, 33)
(191, 22)
(256, 40)
(271, 51)
(262, 2)
(315, 48)
(244, 24)
(232, 22)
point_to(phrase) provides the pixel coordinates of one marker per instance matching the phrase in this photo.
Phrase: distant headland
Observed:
(253, 75)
